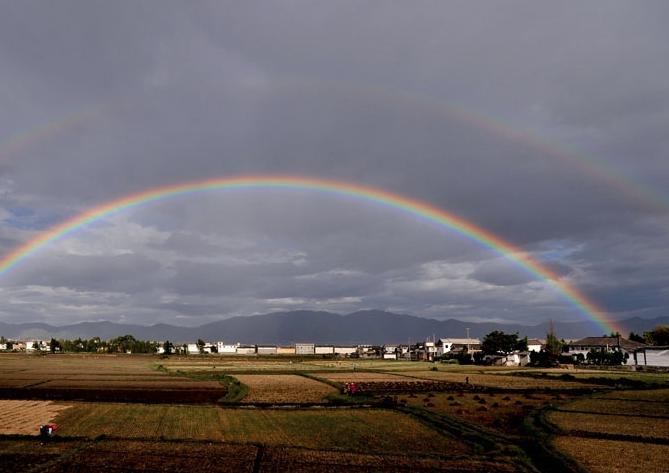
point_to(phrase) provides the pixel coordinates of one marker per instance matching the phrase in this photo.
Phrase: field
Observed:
(600, 431)
(147, 413)
(283, 388)
(22, 417)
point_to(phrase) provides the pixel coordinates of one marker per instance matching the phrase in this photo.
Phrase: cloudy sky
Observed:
(543, 122)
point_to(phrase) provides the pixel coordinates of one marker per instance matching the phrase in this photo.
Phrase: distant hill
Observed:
(370, 326)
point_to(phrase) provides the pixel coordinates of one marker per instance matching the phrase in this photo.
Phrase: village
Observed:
(611, 350)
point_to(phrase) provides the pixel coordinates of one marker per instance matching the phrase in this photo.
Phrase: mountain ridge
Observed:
(365, 326)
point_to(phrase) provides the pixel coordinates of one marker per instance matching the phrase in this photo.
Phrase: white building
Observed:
(226, 348)
(447, 345)
(652, 356)
(305, 348)
(193, 349)
(534, 345)
(324, 350)
(345, 350)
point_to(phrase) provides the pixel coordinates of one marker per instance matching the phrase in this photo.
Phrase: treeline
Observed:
(123, 344)
(659, 336)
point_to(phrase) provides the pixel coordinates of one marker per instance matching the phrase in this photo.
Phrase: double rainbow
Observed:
(391, 200)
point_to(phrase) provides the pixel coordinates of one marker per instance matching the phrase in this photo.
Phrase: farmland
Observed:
(170, 414)
(280, 388)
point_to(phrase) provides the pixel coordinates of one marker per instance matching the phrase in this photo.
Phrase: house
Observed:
(534, 344)
(369, 351)
(607, 344)
(390, 352)
(652, 356)
(226, 348)
(519, 358)
(341, 350)
(324, 350)
(246, 349)
(305, 348)
(285, 350)
(452, 345)
(3, 346)
(267, 350)
(192, 349)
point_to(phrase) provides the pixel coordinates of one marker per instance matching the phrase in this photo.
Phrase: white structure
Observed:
(193, 349)
(226, 348)
(534, 345)
(446, 345)
(246, 349)
(345, 350)
(305, 348)
(324, 350)
(3, 346)
(652, 356)
(607, 344)
(267, 350)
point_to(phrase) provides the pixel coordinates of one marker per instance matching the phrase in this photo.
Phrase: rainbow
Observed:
(412, 206)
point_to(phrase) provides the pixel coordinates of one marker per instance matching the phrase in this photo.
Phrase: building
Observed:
(535, 345)
(390, 352)
(193, 349)
(453, 345)
(342, 350)
(652, 356)
(305, 349)
(246, 349)
(226, 348)
(607, 344)
(267, 350)
(324, 350)
(285, 350)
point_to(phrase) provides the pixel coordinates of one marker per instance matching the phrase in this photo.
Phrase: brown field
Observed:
(497, 411)
(650, 395)
(340, 429)
(98, 378)
(284, 388)
(498, 381)
(606, 456)
(25, 417)
(640, 427)
(363, 377)
(167, 456)
(602, 405)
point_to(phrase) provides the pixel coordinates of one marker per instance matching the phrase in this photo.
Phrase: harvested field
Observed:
(279, 388)
(98, 378)
(499, 381)
(648, 395)
(312, 461)
(501, 412)
(340, 429)
(357, 377)
(169, 456)
(605, 456)
(25, 417)
(640, 427)
(630, 407)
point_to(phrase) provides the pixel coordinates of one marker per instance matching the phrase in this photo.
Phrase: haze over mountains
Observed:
(370, 326)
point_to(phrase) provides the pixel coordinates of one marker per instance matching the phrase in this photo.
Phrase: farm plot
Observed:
(358, 377)
(605, 456)
(503, 412)
(647, 395)
(340, 429)
(498, 380)
(638, 427)
(25, 417)
(630, 407)
(278, 388)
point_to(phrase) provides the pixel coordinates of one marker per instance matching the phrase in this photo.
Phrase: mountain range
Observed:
(369, 326)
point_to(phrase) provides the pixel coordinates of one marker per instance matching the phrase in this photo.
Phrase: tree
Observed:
(550, 355)
(500, 343)
(659, 336)
(53, 345)
(200, 345)
(167, 347)
(636, 338)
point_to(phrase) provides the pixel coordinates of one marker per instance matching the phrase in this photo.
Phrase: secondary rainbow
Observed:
(379, 196)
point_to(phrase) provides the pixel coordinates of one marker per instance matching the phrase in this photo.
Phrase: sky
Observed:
(542, 122)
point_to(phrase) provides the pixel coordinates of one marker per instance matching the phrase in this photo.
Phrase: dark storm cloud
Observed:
(139, 95)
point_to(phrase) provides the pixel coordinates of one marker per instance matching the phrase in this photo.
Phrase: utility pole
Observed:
(467, 339)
